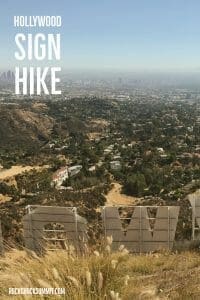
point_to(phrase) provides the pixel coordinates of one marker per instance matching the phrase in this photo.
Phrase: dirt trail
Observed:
(15, 170)
(114, 197)
(4, 198)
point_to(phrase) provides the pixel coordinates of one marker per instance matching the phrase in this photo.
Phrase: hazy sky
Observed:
(114, 34)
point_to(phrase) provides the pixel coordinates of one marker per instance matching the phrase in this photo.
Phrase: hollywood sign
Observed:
(47, 227)
(141, 235)
(51, 227)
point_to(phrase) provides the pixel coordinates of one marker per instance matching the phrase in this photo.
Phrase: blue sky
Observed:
(114, 34)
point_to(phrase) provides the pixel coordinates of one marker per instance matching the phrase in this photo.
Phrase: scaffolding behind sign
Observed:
(144, 231)
(195, 203)
(53, 228)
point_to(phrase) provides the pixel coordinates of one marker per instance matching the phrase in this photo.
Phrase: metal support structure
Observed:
(36, 235)
(140, 236)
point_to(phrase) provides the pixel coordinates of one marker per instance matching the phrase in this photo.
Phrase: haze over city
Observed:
(114, 35)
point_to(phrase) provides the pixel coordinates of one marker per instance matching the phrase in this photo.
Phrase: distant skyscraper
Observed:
(7, 77)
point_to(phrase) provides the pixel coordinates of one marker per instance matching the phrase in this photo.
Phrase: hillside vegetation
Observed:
(103, 275)
(22, 127)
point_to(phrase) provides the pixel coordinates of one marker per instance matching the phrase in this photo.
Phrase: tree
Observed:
(135, 185)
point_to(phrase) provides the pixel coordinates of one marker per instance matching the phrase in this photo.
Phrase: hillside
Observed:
(23, 127)
(104, 275)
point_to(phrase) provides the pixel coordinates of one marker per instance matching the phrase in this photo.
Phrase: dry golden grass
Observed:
(15, 170)
(104, 275)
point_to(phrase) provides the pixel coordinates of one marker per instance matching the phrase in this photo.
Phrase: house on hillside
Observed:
(60, 176)
(74, 170)
(115, 165)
